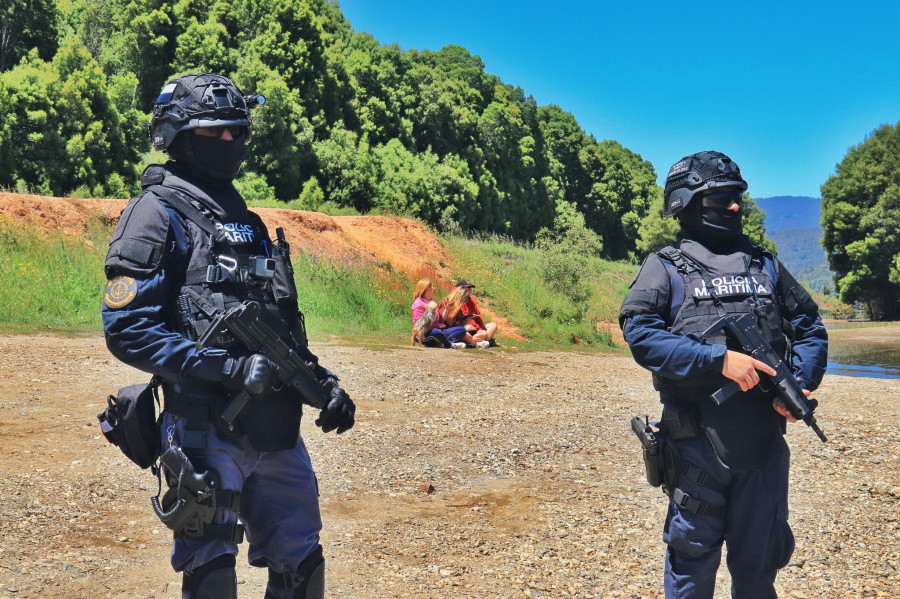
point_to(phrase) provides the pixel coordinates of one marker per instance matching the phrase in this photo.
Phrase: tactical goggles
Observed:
(721, 199)
(218, 130)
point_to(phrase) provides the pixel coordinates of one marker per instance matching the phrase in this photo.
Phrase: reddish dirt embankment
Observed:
(404, 244)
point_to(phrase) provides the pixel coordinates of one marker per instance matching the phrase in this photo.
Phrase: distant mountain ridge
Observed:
(792, 222)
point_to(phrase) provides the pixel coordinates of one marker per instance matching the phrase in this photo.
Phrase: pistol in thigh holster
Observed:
(654, 458)
(189, 507)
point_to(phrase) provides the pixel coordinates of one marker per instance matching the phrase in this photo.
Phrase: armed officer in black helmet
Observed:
(185, 250)
(727, 465)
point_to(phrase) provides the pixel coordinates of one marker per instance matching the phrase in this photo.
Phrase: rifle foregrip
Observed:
(312, 392)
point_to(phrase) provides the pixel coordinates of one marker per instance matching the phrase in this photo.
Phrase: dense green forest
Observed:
(353, 125)
(861, 224)
(350, 123)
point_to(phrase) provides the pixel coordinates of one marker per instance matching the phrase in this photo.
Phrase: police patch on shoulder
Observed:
(119, 292)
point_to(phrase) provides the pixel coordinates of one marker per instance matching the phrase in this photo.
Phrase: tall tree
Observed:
(128, 36)
(861, 224)
(64, 130)
(29, 131)
(621, 187)
(26, 24)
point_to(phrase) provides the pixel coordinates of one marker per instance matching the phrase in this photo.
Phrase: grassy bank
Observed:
(53, 282)
(50, 281)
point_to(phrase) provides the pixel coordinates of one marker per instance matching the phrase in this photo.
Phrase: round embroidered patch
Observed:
(119, 292)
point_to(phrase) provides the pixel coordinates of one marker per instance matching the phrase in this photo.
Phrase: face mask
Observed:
(714, 225)
(214, 157)
(218, 158)
(721, 224)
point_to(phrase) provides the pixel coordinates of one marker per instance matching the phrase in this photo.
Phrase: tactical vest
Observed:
(228, 264)
(721, 285)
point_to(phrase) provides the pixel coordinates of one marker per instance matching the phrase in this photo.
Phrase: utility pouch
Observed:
(654, 463)
(770, 322)
(679, 422)
(131, 424)
(283, 286)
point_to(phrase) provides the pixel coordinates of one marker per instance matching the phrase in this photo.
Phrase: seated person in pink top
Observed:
(440, 335)
(476, 326)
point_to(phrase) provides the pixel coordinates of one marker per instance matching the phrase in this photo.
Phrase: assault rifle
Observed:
(245, 325)
(743, 328)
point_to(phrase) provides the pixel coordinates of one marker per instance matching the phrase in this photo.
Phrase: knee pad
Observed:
(215, 579)
(308, 582)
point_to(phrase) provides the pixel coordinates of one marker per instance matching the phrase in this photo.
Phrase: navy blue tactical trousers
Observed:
(279, 504)
(755, 527)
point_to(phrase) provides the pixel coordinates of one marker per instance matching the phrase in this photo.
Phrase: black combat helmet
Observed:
(694, 174)
(198, 100)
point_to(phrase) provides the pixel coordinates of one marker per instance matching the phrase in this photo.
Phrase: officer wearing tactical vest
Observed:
(726, 467)
(186, 250)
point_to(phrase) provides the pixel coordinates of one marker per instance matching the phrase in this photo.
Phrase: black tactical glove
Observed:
(339, 414)
(253, 374)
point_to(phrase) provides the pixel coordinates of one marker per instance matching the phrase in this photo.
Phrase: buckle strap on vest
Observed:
(675, 256)
(212, 273)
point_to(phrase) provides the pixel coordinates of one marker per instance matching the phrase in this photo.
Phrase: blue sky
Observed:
(784, 88)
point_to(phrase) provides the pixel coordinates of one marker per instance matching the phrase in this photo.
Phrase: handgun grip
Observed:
(637, 425)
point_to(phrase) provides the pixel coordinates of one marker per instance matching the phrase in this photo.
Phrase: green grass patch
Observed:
(51, 280)
(352, 298)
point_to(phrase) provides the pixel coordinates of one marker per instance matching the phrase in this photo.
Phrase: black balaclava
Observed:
(213, 157)
(716, 228)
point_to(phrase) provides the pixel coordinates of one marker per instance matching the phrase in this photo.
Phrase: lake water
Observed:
(859, 358)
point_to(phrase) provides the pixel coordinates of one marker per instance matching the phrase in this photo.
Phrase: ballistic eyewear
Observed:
(721, 199)
(218, 130)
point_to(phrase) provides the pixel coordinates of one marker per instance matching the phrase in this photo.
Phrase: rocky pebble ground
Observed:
(475, 473)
